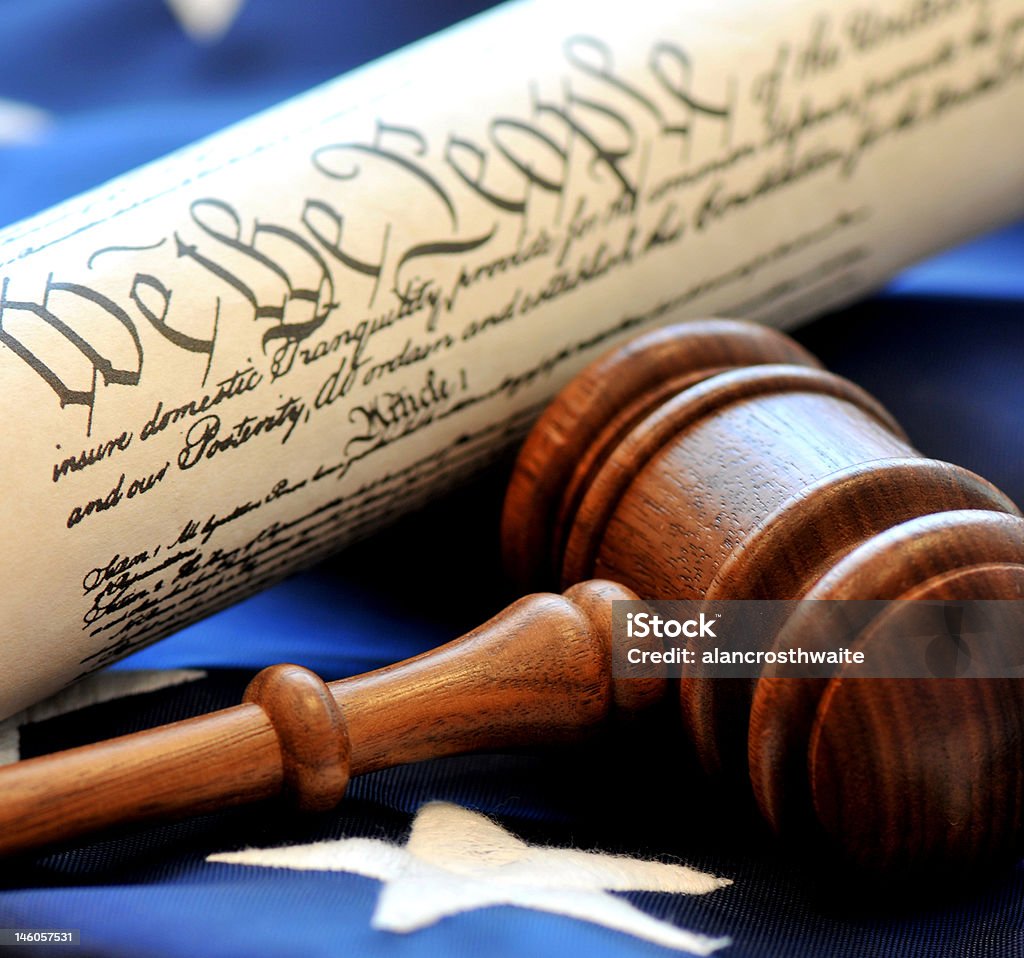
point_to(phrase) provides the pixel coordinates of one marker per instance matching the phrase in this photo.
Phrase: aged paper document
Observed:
(224, 365)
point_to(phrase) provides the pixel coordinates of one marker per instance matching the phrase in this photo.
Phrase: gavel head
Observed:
(716, 460)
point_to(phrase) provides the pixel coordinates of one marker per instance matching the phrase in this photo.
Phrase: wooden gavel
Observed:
(709, 460)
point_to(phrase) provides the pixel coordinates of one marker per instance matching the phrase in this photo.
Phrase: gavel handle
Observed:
(538, 672)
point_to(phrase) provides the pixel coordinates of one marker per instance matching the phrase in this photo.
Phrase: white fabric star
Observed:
(457, 860)
(101, 687)
(205, 20)
(21, 122)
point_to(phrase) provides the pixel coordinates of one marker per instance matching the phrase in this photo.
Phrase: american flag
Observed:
(610, 849)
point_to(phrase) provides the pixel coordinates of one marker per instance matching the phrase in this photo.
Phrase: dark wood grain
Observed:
(539, 672)
(676, 472)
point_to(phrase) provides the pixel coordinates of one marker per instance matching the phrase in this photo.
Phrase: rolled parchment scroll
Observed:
(229, 363)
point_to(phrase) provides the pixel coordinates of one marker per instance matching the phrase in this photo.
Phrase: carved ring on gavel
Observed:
(712, 460)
